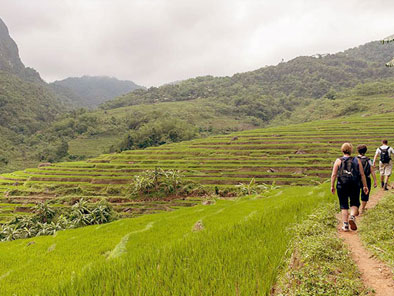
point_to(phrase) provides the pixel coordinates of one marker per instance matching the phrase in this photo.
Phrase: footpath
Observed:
(375, 274)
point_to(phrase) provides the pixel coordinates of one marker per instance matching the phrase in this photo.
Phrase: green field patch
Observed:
(79, 260)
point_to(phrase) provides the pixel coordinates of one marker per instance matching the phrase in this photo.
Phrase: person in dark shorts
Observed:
(347, 171)
(368, 171)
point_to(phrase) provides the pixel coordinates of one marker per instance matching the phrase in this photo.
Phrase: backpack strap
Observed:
(366, 164)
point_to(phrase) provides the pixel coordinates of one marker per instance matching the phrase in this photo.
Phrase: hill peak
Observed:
(91, 91)
(10, 62)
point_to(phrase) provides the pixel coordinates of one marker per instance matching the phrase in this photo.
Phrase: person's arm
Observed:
(374, 159)
(363, 178)
(375, 182)
(334, 175)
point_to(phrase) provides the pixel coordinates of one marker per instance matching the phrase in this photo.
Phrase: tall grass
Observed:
(377, 229)
(236, 254)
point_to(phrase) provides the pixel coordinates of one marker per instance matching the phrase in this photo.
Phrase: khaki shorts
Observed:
(385, 168)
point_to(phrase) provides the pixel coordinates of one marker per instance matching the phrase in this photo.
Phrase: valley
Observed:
(203, 186)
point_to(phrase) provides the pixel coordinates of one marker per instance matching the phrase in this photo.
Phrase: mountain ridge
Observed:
(91, 91)
(10, 60)
(303, 76)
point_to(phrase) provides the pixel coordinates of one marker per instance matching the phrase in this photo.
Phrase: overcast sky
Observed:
(152, 42)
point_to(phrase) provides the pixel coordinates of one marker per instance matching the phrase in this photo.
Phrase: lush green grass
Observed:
(299, 154)
(112, 125)
(92, 146)
(320, 263)
(241, 248)
(377, 229)
(351, 102)
(214, 118)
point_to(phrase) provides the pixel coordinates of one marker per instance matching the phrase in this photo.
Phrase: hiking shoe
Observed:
(386, 187)
(352, 223)
(345, 227)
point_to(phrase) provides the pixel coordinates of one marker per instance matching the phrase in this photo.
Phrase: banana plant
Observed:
(44, 211)
(248, 189)
(81, 206)
(11, 232)
(173, 179)
(253, 188)
(46, 229)
(101, 214)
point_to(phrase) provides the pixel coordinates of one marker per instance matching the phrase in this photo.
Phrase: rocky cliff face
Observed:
(10, 61)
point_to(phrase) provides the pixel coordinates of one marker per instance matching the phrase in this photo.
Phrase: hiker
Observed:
(368, 171)
(385, 163)
(348, 170)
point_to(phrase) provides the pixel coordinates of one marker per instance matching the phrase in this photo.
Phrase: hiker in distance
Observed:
(347, 170)
(385, 163)
(368, 171)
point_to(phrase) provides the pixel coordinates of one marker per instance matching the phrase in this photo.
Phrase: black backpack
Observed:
(366, 165)
(384, 155)
(348, 173)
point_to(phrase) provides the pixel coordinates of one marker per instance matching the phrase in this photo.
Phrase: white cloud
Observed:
(156, 41)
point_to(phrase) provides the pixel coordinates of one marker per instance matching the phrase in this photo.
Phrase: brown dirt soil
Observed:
(375, 274)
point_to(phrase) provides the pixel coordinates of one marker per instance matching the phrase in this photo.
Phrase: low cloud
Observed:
(157, 41)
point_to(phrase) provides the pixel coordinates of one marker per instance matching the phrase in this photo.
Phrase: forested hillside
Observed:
(91, 91)
(35, 118)
(10, 61)
(27, 105)
(302, 77)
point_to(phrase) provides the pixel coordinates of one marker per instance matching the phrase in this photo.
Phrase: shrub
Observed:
(48, 220)
(163, 183)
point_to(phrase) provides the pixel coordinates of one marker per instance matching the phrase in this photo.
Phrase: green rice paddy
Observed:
(240, 247)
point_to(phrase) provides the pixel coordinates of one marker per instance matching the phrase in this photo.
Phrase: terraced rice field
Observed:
(300, 154)
(237, 250)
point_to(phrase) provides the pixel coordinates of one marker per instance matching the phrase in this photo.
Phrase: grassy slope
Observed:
(320, 262)
(216, 118)
(352, 103)
(240, 249)
(377, 229)
(253, 152)
(207, 116)
(268, 155)
(302, 77)
(243, 101)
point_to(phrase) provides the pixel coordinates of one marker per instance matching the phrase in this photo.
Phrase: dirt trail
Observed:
(375, 274)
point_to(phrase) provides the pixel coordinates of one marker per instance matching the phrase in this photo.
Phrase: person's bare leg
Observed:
(345, 215)
(352, 219)
(354, 211)
(363, 206)
(386, 182)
